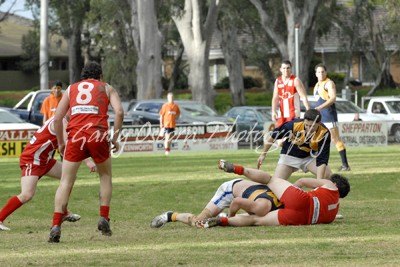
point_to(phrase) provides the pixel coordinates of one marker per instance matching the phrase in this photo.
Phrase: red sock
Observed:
(104, 211)
(168, 149)
(12, 204)
(65, 212)
(224, 221)
(57, 218)
(238, 169)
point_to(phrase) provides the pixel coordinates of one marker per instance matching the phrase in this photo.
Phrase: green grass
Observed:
(147, 184)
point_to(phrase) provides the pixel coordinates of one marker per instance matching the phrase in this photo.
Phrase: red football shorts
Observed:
(81, 146)
(296, 209)
(37, 170)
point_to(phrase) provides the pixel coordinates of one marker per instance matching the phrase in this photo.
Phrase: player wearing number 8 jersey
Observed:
(87, 102)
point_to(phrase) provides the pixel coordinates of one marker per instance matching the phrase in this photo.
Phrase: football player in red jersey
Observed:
(87, 102)
(36, 161)
(288, 91)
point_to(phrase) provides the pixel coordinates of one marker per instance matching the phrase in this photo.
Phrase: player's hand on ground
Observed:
(208, 223)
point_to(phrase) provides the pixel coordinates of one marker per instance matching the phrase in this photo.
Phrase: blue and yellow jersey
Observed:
(299, 145)
(262, 191)
(328, 114)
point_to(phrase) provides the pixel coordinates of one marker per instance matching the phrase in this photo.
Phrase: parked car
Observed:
(388, 109)
(127, 119)
(28, 108)
(345, 109)
(10, 121)
(192, 112)
(249, 117)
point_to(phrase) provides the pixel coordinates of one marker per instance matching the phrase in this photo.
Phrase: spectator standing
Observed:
(169, 113)
(51, 102)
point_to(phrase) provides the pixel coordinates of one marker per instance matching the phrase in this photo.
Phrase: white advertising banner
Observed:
(358, 133)
(364, 133)
(203, 137)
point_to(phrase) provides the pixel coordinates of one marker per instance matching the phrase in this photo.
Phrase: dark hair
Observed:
(58, 83)
(320, 65)
(91, 70)
(312, 115)
(341, 183)
(286, 62)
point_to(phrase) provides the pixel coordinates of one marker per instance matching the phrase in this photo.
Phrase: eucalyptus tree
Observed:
(196, 30)
(67, 19)
(108, 37)
(369, 33)
(384, 39)
(147, 39)
(228, 28)
(281, 18)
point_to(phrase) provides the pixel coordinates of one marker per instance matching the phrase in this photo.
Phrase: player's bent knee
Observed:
(26, 197)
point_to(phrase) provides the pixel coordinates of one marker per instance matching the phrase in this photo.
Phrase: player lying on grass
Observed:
(319, 205)
(36, 161)
(253, 197)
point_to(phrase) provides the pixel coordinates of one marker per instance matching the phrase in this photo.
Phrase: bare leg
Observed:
(28, 188)
(104, 170)
(211, 210)
(69, 171)
(270, 219)
(283, 171)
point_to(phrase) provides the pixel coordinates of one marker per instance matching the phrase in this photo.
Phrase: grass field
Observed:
(146, 185)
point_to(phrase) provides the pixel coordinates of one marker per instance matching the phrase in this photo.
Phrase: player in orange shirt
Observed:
(169, 113)
(50, 103)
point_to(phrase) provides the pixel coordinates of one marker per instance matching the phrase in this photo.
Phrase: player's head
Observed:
(320, 71)
(92, 70)
(341, 183)
(312, 119)
(56, 89)
(286, 68)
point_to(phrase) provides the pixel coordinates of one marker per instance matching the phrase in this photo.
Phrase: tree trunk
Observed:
(75, 63)
(176, 71)
(196, 38)
(199, 78)
(147, 39)
(297, 13)
(384, 78)
(233, 61)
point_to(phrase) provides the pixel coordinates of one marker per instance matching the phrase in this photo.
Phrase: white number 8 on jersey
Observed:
(84, 89)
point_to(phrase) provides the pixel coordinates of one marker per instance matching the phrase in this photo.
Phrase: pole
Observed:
(44, 56)
(296, 37)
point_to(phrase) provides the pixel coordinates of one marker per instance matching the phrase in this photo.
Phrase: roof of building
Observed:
(14, 27)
